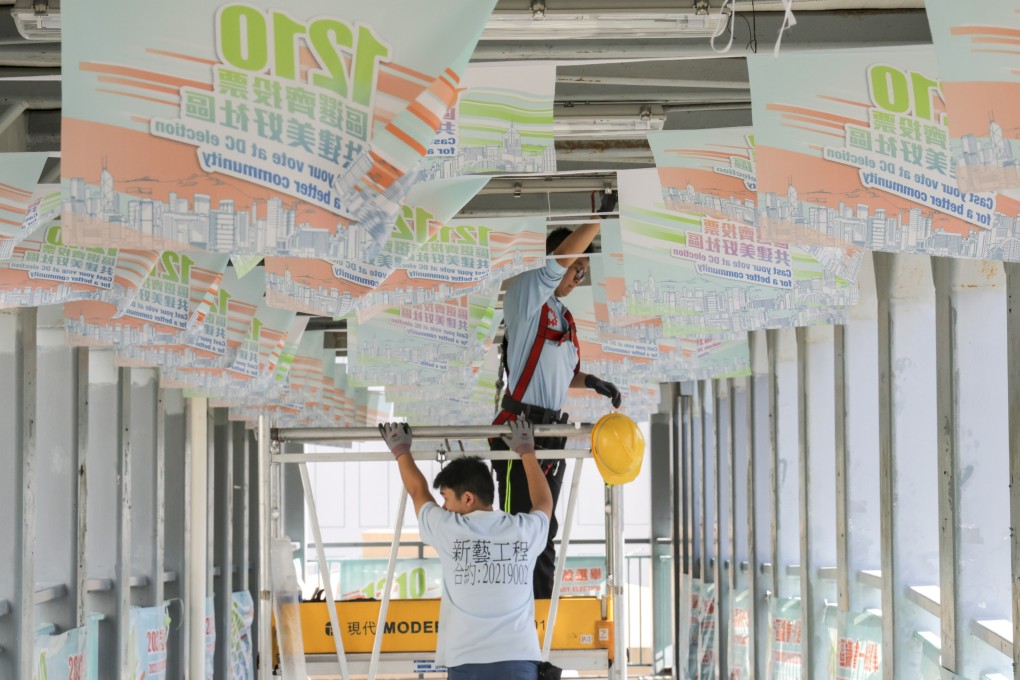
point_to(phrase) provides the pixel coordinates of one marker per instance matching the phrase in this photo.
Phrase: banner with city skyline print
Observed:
(245, 128)
(975, 44)
(502, 122)
(699, 276)
(338, 282)
(651, 361)
(416, 345)
(853, 149)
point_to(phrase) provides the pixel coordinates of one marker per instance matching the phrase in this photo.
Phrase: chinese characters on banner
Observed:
(863, 158)
(856, 640)
(273, 130)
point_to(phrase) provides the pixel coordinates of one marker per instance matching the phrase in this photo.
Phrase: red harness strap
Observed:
(545, 333)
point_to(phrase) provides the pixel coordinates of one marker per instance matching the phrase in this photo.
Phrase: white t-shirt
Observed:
(487, 612)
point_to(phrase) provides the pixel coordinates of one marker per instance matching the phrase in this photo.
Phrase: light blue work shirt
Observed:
(487, 612)
(522, 310)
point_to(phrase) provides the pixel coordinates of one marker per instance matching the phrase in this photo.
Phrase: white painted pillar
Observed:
(908, 449)
(973, 434)
(858, 509)
(198, 546)
(817, 475)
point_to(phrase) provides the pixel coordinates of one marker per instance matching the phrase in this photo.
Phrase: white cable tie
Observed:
(788, 21)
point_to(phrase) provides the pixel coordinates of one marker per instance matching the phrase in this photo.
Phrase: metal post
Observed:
(1013, 371)
(223, 459)
(122, 584)
(158, 491)
(720, 488)
(973, 428)
(816, 376)
(25, 352)
(908, 449)
(327, 579)
(384, 605)
(759, 500)
(561, 558)
(265, 603)
(614, 498)
(82, 434)
(786, 433)
(198, 547)
(663, 526)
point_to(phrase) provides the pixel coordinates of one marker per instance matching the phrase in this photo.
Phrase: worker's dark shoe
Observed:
(546, 671)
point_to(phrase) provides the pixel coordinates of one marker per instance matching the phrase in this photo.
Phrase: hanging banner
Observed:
(431, 344)
(213, 343)
(738, 649)
(706, 276)
(503, 122)
(171, 301)
(856, 639)
(474, 403)
(21, 207)
(863, 158)
(242, 614)
(340, 284)
(43, 209)
(263, 356)
(785, 660)
(270, 126)
(72, 655)
(975, 44)
(147, 651)
(649, 357)
(465, 257)
(41, 270)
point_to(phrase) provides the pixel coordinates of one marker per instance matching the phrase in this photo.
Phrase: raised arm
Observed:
(522, 441)
(581, 238)
(398, 438)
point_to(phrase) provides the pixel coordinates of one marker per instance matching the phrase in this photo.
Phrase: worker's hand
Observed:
(522, 436)
(606, 389)
(397, 436)
(608, 203)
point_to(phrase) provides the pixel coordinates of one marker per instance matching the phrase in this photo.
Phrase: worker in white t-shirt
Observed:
(487, 612)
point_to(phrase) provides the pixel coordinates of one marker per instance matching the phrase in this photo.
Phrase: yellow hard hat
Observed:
(618, 447)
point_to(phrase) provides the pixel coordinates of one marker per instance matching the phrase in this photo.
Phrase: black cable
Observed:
(754, 31)
(750, 39)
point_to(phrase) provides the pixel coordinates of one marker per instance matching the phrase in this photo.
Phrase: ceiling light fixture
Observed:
(37, 19)
(613, 26)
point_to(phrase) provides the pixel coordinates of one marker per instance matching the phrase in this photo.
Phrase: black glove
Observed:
(606, 389)
(608, 203)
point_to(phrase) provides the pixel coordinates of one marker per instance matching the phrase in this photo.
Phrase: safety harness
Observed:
(543, 335)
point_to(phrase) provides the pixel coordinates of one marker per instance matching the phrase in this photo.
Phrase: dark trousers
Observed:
(520, 501)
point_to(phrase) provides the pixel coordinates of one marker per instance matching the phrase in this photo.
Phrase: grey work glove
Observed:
(605, 388)
(522, 437)
(397, 436)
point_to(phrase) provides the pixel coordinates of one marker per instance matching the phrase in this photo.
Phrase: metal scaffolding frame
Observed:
(271, 459)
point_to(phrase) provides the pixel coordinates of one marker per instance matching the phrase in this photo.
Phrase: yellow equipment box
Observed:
(413, 624)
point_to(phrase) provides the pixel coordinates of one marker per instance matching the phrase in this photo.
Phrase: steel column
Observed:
(223, 456)
(858, 521)
(1013, 402)
(816, 375)
(198, 540)
(973, 429)
(721, 487)
(25, 474)
(786, 400)
(908, 455)
(759, 499)
(81, 364)
(264, 604)
(662, 497)
(145, 435)
(176, 486)
(614, 497)
(122, 570)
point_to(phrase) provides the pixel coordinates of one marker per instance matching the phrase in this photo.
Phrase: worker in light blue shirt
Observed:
(541, 361)
(487, 611)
